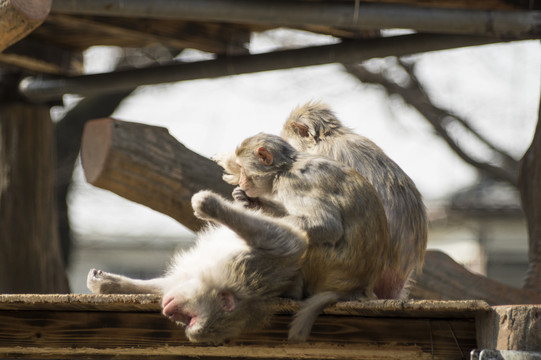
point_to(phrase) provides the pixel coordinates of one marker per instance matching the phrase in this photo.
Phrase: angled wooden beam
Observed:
(19, 17)
(48, 88)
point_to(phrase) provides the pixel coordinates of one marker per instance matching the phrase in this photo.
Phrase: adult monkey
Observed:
(337, 207)
(315, 129)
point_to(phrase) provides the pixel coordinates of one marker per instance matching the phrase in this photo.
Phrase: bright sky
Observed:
(496, 87)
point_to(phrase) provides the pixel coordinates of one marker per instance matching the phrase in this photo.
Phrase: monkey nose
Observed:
(169, 306)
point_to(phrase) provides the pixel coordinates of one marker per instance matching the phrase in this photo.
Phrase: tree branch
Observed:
(414, 95)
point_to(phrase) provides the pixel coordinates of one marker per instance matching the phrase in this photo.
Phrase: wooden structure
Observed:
(38, 69)
(130, 326)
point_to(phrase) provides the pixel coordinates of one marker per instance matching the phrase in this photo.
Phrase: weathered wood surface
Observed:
(130, 326)
(444, 279)
(30, 254)
(516, 327)
(147, 165)
(19, 17)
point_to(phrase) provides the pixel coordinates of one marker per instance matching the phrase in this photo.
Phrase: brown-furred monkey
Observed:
(315, 129)
(336, 206)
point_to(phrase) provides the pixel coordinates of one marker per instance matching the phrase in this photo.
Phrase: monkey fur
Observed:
(315, 129)
(336, 206)
(223, 285)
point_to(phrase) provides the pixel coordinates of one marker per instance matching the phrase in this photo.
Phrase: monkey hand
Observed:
(206, 205)
(240, 196)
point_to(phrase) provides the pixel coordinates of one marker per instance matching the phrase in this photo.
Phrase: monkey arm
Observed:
(269, 207)
(271, 235)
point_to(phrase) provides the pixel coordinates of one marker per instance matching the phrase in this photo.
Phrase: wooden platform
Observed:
(131, 326)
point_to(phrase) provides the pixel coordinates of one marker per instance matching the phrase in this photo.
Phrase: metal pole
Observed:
(48, 88)
(295, 13)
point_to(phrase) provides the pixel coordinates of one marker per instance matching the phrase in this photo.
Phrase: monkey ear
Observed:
(265, 157)
(300, 128)
(226, 299)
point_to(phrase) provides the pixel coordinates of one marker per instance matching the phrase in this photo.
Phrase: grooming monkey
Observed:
(314, 128)
(222, 286)
(337, 207)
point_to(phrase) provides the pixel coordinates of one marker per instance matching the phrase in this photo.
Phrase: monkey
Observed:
(224, 284)
(315, 129)
(337, 207)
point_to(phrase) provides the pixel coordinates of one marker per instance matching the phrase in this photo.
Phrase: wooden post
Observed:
(30, 256)
(147, 165)
(19, 17)
(530, 192)
(515, 327)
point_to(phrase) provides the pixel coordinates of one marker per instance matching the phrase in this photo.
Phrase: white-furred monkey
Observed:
(223, 285)
(315, 129)
(337, 207)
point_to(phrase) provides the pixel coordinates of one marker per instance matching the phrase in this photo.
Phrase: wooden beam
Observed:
(37, 56)
(348, 15)
(82, 32)
(147, 165)
(19, 18)
(42, 88)
(130, 326)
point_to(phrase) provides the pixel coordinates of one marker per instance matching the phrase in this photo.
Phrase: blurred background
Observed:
(457, 121)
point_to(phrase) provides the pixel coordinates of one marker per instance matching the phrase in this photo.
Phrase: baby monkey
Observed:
(337, 207)
(223, 285)
(315, 129)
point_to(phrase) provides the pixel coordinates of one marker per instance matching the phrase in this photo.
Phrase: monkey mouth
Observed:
(187, 320)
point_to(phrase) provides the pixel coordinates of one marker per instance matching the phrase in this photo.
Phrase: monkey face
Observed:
(210, 316)
(255, 185)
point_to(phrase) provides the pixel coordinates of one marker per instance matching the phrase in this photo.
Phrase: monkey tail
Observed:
(304, 318)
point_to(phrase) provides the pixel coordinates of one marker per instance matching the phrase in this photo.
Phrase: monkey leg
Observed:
(101, 282)
(271, 235)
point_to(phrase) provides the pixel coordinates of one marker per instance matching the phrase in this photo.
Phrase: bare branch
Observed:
(413, 94)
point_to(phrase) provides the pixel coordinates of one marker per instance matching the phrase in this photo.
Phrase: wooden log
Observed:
(443, 278)
(19, 18)
(130, 327)
(147, 165)
(30, 258)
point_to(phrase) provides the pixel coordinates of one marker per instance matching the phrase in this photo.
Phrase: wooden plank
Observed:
(130, 326)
